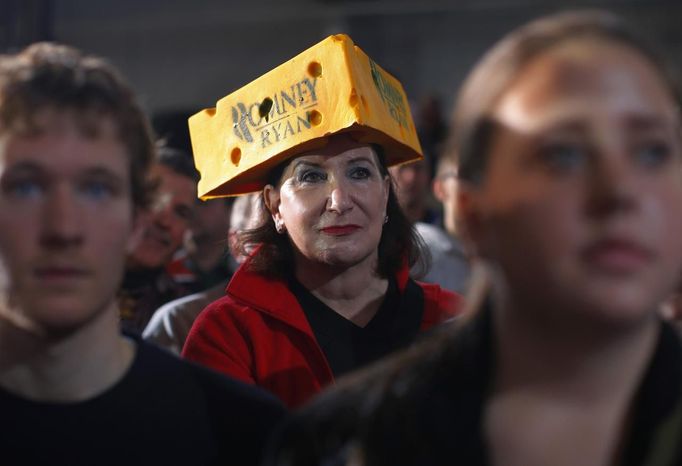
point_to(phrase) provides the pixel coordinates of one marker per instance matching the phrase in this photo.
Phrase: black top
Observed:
(348, 346)
(425, 407)
(142, 292)
(164, 411)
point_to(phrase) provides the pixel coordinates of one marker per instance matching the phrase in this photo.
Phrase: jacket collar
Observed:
(272, 296)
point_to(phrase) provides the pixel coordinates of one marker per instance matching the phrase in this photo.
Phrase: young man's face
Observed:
(66, 216)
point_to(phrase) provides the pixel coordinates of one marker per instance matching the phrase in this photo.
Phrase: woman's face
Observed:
(332, 203)
(581, 206)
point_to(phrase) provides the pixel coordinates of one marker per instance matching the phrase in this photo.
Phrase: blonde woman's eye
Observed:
(652, 154)
(563, 158)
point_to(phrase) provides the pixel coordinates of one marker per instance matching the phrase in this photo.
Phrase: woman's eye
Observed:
(311, 176)
(360, 173)
(652, 154)
(562, 158)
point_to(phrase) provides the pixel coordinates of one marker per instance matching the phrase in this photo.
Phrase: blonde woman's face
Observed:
(581, 207)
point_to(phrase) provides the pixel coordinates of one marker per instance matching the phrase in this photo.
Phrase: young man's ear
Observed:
(141, 218)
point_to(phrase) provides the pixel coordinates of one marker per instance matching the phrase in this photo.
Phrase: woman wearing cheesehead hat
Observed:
(327, 288)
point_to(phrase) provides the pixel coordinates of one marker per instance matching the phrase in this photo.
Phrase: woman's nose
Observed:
(339, 199)
(612, 185)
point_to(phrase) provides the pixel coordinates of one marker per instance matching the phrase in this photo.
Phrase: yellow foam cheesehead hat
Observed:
(330, 88)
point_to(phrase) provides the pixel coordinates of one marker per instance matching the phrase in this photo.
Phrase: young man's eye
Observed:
(563, 158)
(652, 154)
(97, 190)
(23, 189)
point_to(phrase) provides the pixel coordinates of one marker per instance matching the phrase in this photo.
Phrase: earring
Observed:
(279, 226)
(386, 219)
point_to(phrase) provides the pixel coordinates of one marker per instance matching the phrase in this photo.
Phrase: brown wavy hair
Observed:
(46, 76)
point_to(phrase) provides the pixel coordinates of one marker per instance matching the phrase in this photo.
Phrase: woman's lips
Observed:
(340, 230)
(617, 255)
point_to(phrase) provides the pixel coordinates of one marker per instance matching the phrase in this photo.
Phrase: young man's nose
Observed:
(62, 219)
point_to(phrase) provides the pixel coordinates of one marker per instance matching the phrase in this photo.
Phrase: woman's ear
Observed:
(272, 201)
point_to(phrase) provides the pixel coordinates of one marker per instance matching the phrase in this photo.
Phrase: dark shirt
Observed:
(348, 346)
(141, 294)
(425, 407)
(187, 276)
(164, 411)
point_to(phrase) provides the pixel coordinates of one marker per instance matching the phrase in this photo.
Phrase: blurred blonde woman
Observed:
(568, 136)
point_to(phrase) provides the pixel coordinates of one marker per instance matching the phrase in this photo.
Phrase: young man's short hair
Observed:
(51, 77)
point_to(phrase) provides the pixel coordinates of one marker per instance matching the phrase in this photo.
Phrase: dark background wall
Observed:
(182, 55)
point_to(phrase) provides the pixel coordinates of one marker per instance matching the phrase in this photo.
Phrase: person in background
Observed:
(171, 323)
(570, 169)
(326, 291)
(431, 128)
(447, 265)
(413, 181)
(671, 309)
(146, 284)
(204, 260)
(450, 264)
(75, 153)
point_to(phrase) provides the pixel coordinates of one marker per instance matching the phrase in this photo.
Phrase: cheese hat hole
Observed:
(264, 108)
(315, 69)
(236, 155)
(315, 117)
(353, 100)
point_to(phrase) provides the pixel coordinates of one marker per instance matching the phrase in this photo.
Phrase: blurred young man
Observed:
(75, 152)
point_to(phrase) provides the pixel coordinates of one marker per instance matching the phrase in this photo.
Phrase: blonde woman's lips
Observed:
(617, 255)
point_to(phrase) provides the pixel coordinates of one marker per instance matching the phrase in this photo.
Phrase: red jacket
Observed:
(258, 333)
